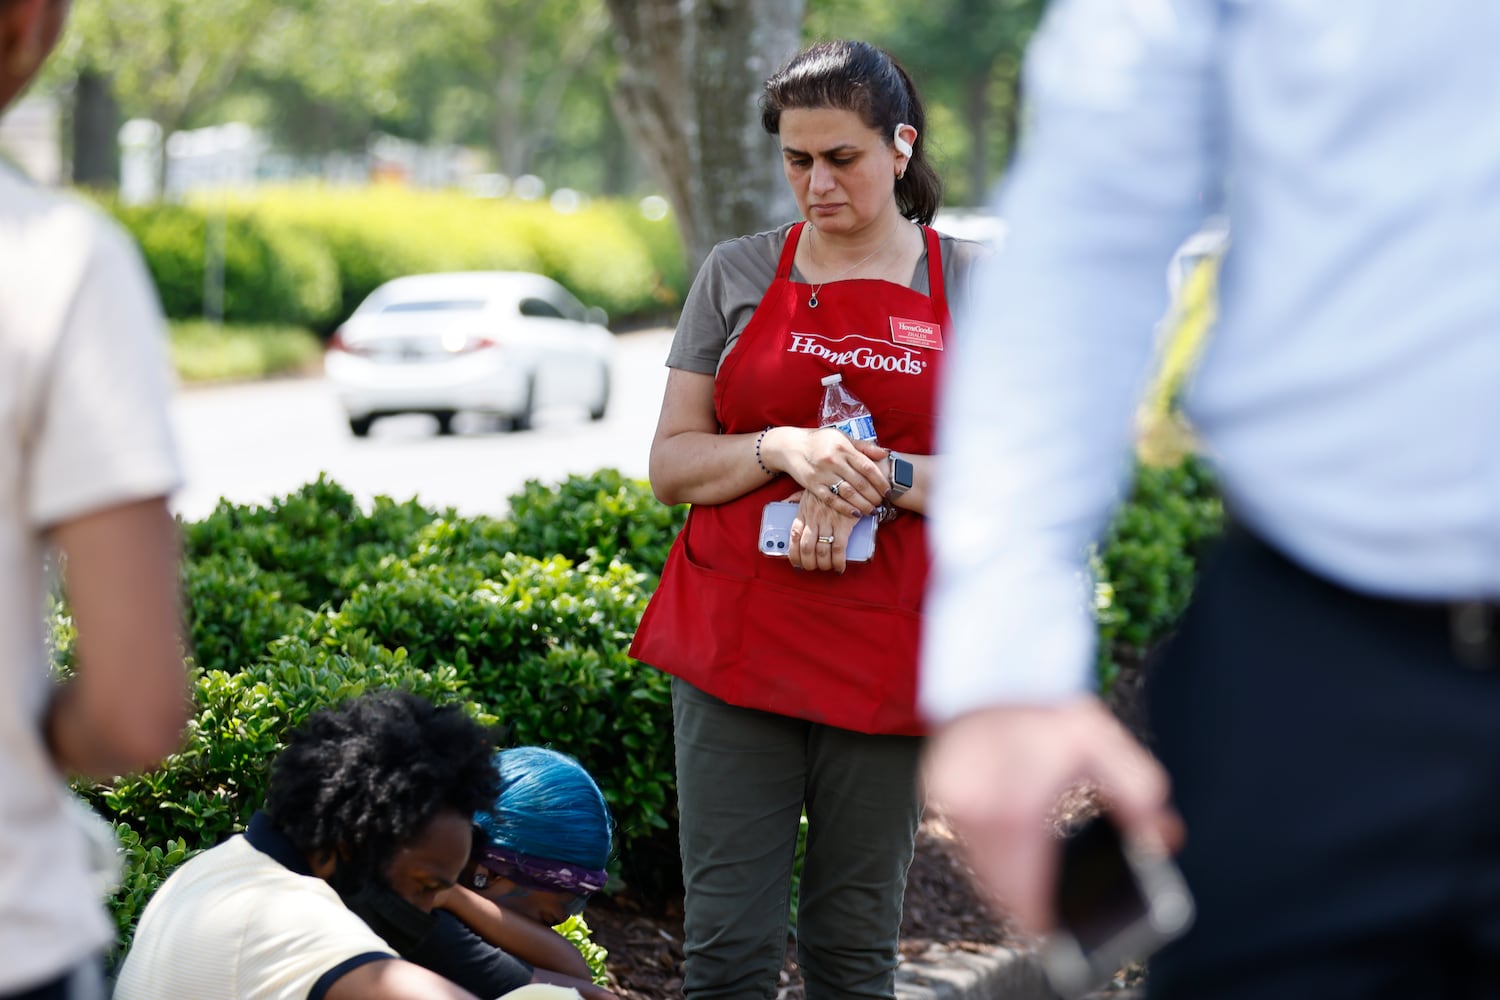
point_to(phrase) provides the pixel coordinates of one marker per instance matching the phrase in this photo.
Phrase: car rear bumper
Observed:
(481, 381)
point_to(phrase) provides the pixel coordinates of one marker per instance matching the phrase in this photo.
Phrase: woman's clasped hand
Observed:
(842, 480)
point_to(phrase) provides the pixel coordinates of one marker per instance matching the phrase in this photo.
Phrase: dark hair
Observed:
(363, 778)
(858, 77)
(549, 808)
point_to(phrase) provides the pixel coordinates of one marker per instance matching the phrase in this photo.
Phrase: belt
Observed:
(1474, 633)
(1472, 625)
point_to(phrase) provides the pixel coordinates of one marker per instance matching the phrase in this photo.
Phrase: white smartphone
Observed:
(776, 532)
(1115, 904)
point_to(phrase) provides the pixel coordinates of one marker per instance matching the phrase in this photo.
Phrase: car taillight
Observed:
(338, 343)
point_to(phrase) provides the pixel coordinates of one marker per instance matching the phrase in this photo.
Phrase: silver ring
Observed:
(834, 489)
(825, 539)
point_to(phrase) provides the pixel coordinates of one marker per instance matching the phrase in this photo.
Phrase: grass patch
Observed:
(207, 352)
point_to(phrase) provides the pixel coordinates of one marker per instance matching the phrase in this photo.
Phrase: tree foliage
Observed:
(965, 55)
(586, 93)
(171, 59)
(527, 81)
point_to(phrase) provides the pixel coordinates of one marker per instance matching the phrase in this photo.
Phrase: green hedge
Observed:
(309, 599)
(308, 255)
(1147, 566)
(273, 273)
(209, 352)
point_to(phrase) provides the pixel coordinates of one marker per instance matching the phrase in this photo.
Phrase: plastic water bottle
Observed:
(842, 409)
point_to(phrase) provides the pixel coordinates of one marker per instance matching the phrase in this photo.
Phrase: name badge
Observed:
(917, 333)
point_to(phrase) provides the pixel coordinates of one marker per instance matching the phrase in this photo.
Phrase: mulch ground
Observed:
(942, 907)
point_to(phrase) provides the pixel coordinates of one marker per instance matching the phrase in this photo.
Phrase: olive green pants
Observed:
(743, 780)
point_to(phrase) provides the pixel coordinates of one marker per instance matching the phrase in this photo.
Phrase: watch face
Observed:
(901, 474)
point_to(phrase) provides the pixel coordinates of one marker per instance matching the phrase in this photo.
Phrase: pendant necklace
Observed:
(812, 300)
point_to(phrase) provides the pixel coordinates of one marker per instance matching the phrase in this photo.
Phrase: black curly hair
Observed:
(361, 779)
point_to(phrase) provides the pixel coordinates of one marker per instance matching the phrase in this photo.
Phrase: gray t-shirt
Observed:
(736, 275)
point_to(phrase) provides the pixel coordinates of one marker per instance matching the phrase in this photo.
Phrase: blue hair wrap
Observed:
(549, 809)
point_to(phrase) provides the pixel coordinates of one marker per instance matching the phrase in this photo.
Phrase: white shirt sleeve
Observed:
(1119, 166)
(103, 435)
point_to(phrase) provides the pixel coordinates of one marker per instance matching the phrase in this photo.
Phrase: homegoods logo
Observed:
(876, 355)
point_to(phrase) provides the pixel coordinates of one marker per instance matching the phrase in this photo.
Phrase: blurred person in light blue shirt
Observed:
(1329, 713)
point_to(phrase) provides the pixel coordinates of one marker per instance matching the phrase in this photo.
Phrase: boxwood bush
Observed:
(1148, 564)
(209, 789)
(605, 253)
(308, 255)
(525, 620)
(207, 352)
(273, 273)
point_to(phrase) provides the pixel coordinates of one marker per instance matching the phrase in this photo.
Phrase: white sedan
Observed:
(506, 343)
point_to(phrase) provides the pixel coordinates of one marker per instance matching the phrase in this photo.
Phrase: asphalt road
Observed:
(250, 443)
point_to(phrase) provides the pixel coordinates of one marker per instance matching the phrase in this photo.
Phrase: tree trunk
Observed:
(96, 127)
(691, 73)
(977, 113)
(164, 162)
(507, 129)
(619, 160)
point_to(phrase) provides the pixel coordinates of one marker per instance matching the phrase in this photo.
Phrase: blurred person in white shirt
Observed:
(86, 463)
(1327, 718)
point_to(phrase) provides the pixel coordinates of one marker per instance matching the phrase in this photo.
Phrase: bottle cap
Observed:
(833, 379)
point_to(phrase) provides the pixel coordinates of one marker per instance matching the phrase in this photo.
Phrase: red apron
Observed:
(746, 627)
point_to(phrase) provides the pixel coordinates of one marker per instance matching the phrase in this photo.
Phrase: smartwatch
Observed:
(900, 475)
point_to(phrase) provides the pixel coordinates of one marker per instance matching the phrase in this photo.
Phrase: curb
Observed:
(996, 973)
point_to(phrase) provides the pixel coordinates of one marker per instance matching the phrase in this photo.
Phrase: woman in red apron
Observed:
(795, 675)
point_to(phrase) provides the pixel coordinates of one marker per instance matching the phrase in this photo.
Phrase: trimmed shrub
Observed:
(209, 789)
(236, 609)
(379, 233)
(203, 352)
(144, 867)
(604, 253)
(542, 643)
(604, 516)
(598, 256)
(307, 600)
(664, 243)
(576, 930)
(1149, 562)
(316, 542)
(308, 255)
(272, 273)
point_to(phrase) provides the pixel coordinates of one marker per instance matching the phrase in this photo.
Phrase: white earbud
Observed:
(902, 146)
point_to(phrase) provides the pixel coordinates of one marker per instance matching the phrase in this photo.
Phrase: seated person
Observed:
(366, 823)
(540, 850)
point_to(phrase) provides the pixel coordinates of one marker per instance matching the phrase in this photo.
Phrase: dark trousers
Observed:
(1338, 770)
(744, 779)
(85, 982)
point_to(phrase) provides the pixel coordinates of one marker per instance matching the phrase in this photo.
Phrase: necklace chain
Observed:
(812, 300)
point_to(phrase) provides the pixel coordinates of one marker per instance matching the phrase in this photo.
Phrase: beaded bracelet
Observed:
(758, 460)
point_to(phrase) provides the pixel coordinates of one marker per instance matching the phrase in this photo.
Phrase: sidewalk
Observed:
(998, 973)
